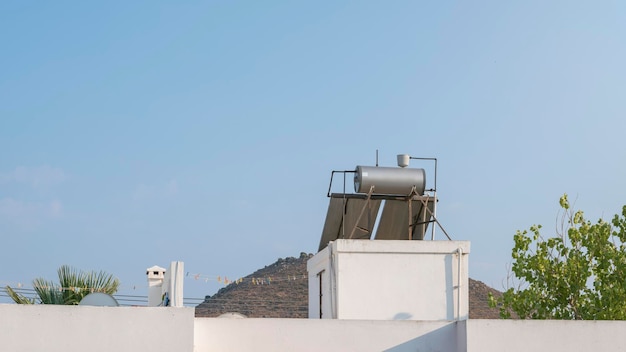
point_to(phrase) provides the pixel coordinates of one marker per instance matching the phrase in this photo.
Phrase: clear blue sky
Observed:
(137, 133)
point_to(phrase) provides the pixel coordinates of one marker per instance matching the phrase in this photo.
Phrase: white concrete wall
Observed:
(54, 328)
(83, 328)
(321, 283)
(234, 335)
(545, 335)
(390, 280)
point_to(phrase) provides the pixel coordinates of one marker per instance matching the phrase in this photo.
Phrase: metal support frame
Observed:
(424, 199)
(434, 190)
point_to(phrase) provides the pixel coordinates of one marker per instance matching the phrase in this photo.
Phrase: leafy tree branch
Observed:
(580, 273)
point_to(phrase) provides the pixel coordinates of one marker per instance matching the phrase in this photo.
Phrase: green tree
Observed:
(72, 287)
(578, 274)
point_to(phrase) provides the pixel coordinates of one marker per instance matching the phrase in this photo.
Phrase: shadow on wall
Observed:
(437, 340)
(402, 316)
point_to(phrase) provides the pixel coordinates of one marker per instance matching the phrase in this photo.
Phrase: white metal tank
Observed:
(389, 180)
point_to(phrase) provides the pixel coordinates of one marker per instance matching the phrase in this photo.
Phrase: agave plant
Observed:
(72, 287)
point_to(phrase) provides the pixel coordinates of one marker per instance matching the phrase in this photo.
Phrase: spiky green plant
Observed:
(72, 287)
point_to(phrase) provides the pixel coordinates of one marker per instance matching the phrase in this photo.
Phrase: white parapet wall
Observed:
(58, 328)
(545, 335)
(390, 280)
(53, 328)
(243, 335)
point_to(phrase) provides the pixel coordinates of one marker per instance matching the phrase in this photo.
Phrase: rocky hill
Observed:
(280, 290)
(479, 301)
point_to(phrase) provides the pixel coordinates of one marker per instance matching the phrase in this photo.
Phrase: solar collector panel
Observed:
(342, 218)
(394, 221)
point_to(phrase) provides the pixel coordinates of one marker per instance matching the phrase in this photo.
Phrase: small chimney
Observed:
(155, 274)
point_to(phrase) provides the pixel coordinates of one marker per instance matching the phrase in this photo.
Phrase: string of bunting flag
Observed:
(267, 280)
(18, 286)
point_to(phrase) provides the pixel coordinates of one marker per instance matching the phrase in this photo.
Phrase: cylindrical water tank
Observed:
(389, 180)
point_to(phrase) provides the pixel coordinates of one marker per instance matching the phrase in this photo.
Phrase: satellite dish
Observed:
(99, 299)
